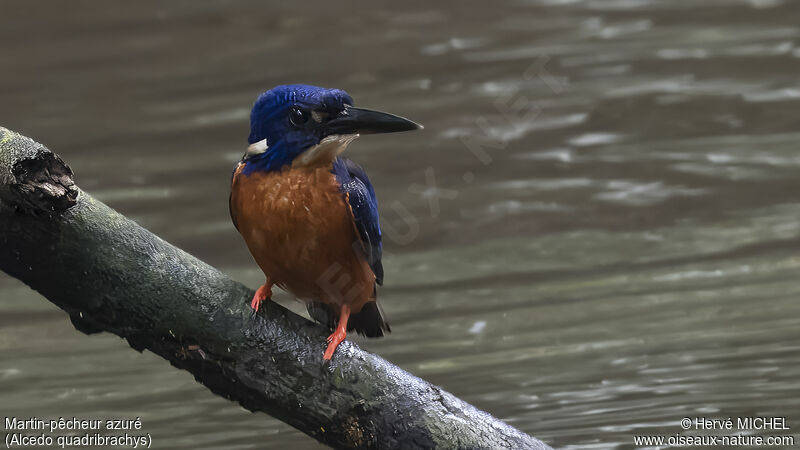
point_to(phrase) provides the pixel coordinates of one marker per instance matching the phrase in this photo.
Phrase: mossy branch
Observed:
(109, 274)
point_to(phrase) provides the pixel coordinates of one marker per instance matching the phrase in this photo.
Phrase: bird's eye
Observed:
(298, 117)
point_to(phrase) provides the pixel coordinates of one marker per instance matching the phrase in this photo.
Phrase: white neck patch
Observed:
(256, 148)
(324, 152)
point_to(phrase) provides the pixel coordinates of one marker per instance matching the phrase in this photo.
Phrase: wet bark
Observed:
(109, 274)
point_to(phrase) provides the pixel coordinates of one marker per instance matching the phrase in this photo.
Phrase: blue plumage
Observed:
(270, 120)
(292, 118)
(284, 202)
(355, 185)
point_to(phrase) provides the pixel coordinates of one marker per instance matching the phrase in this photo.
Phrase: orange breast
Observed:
(300, 230)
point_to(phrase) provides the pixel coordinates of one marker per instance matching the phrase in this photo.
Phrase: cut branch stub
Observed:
(33, 179)
(110, 274)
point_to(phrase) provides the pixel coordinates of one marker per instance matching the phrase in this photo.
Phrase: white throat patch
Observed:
(256, 148)
(324, 152)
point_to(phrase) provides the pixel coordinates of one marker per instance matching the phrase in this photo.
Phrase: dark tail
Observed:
(368, 322)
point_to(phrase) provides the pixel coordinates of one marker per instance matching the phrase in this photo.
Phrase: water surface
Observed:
(596, 235)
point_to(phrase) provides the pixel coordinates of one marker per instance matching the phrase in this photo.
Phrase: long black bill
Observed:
(366, 121)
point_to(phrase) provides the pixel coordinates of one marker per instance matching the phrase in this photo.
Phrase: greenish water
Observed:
(612, 243)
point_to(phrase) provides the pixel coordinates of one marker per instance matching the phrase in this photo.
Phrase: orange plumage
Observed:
(299, 229)
(309, 217)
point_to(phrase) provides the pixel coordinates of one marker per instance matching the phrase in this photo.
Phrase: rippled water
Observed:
(597, 233)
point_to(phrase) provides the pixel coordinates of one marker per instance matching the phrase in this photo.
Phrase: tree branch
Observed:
(109, 274)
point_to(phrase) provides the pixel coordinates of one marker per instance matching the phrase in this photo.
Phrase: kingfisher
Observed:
(309, 216)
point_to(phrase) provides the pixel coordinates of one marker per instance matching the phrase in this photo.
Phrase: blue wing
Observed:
(355, 185)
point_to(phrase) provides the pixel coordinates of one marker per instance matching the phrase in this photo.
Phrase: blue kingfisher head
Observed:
(297, 124)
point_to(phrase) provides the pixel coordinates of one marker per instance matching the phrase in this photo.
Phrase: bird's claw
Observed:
(334, 340)
(263, 293)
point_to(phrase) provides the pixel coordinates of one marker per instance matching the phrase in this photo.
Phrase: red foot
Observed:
(333, 341)
(338, 336)
(263, 293)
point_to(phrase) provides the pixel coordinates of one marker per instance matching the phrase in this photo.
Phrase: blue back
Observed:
(354, 183)
(269, 120)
